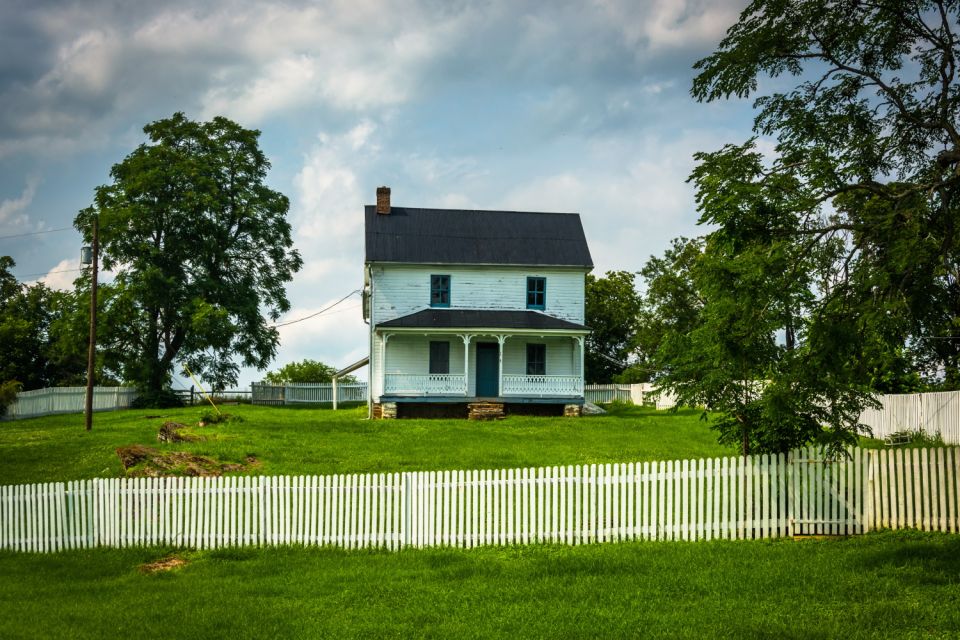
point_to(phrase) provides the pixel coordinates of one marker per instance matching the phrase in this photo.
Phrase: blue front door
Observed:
(488, 370)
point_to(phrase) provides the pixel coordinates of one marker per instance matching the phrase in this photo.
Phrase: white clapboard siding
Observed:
(399, 290)
(802, 493)
(54, 400)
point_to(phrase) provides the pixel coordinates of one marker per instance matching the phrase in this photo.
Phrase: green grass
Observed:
(322, 441)
(886, 585)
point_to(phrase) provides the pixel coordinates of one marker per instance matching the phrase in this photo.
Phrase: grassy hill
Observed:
(289, 440)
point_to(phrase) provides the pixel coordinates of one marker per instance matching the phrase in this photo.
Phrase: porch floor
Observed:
(468, 399)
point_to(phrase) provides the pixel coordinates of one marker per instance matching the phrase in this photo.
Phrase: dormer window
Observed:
(439, 291)
(536, 293)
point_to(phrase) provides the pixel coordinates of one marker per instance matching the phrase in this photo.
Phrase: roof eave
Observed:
(578, 267)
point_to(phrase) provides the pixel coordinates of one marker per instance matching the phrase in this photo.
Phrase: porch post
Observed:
(500, 340)
(383, 363)
(583, 368)
(466, 363)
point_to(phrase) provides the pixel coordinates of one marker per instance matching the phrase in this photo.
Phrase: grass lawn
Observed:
(883, 585)
(290, 440)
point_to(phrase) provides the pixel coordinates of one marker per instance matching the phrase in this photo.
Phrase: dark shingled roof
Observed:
(476, 319)
(452, 236)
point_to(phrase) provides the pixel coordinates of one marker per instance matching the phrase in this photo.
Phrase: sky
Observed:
(501, 104)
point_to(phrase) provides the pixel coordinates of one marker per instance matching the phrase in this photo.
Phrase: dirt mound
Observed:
(142, 461)
(166, 564)
(176, 432)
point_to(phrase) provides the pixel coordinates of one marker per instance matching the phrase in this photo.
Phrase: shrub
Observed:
(8, 393)
(164, 399)
(212, 417)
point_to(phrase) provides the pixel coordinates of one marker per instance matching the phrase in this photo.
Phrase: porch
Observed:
(463, 367)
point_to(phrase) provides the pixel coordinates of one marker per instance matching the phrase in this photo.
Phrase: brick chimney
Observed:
(383, 200)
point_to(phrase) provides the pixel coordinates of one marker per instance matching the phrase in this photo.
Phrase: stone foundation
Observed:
(385, 411)
(572, 410)
(485, 410)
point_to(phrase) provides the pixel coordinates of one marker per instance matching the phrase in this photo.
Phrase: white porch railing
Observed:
(430, 384)
(542, 385)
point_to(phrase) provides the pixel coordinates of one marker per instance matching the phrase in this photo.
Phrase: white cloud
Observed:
(669, 24)
(328, 204)
(62, 275)
(11, 210)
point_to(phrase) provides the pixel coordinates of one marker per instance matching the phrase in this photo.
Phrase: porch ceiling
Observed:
(481, 319)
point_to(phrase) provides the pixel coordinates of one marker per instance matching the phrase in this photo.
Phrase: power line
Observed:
(44, 273)
(313, 315)
(35, 233)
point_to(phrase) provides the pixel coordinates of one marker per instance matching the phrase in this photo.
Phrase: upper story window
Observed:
(536, 293)
(439, 291)
(536, 359)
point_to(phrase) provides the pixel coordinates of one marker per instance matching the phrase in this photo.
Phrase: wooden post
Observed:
(334, 380)
(92, 346)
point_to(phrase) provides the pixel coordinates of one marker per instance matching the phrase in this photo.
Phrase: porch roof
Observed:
(481, 319)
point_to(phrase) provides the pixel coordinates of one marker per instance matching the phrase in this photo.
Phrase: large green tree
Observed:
(24, 323)
(831, 271)
(201, 249)
(866, 158)
(612, 309)
(29, 316)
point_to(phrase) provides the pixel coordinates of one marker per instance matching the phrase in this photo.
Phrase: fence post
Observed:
(407, 489)
(868, 494)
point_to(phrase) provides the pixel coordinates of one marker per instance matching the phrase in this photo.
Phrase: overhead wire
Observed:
(43, 273)
(35, 233)
(313, 315)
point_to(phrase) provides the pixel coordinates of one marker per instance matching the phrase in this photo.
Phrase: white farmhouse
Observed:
(475, 313)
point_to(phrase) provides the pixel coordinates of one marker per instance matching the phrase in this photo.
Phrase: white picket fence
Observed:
(637, 393)
(931, 413)
(45, 402)
(758, 497)
(306, 393)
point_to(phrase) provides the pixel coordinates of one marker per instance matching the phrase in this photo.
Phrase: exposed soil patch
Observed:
(142, 461)
(166, 564)
(176, 432)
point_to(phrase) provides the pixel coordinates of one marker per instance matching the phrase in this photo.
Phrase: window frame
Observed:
(533, 360)
(535, 291)
(437, 359)
(437, 287)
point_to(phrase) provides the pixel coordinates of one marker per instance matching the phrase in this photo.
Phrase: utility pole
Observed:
(93, 323)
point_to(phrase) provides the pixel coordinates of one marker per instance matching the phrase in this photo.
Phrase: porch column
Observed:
(466, 363)
(383, 363)
(583, 371)
(500, 341)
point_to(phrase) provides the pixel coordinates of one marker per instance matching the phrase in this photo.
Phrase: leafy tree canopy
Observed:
(612, 308)
(832, 268)
(306, 371)
(866, 161)
(29, 315)
(201, 248)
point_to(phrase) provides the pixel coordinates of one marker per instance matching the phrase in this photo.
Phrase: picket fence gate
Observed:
(757, 497)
